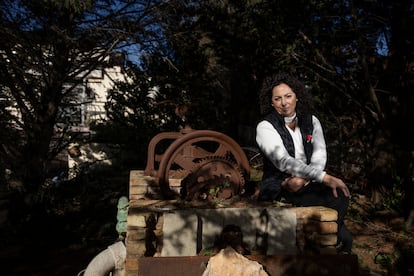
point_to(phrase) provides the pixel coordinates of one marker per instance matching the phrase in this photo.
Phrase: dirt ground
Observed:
(381, 242)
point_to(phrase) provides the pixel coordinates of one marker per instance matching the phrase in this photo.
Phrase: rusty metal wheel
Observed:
(213, 178)
(184, 154)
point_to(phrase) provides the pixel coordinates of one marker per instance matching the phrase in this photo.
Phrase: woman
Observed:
(294, 150)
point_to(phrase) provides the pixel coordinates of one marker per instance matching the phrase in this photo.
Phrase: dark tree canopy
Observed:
(47, 49)
(355, 57)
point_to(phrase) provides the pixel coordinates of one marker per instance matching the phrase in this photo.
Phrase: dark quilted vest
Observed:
(306, 129)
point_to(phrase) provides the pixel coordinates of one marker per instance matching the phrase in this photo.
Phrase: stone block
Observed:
(322, 227)
(136, 178)
(135, 248)
(140, 184)
(179, 233)
(131, 263)
(136, 220)
(138, 189)
(318, 213)
(325, 240)
(277, 226)
(281, 231)
(136, 234)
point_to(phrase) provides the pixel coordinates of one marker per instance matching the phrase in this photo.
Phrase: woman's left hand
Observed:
(336, 183)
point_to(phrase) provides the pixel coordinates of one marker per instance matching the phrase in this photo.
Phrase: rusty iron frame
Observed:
(182, 148)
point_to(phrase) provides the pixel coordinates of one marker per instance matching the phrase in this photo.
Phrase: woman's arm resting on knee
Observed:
(335, 183)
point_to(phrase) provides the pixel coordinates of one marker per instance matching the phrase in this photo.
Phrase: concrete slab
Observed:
(186, 232)
(179, 233)
(281, 232)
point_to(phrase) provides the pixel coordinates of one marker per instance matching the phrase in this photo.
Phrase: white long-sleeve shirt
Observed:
(270, 143)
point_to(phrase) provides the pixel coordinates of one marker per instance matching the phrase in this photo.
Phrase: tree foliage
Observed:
(47, 49)
(355, 56)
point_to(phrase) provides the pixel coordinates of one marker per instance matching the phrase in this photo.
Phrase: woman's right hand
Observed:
(294, 183)
(336, 183)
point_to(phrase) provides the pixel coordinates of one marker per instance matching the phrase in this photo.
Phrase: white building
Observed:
(87, 100)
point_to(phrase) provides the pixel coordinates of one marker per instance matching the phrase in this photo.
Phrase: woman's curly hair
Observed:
(304, 104)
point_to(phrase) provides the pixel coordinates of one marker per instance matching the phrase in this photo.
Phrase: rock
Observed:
(228, 262)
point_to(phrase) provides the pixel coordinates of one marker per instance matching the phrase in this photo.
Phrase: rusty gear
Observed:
(213, 177)
(188, 147)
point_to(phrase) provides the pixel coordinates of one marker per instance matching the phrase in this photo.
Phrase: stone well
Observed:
(171, 228)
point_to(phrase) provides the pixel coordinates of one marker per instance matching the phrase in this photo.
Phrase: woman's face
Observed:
(284, 100)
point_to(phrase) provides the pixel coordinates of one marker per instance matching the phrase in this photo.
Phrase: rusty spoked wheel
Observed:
(185, 153)
(213, 178)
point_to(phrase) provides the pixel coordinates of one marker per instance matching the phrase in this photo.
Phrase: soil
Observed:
(64, 245)
(382, 242)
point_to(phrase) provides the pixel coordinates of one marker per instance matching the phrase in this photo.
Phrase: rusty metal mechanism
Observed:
(211, 164)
